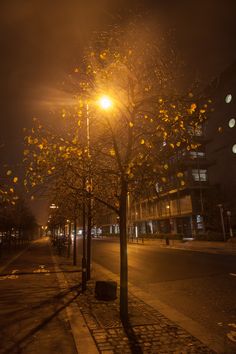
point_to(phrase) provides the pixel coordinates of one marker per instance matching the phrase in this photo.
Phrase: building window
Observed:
(199, 175)
(234, 149)
(195, 154)
(195, 131)
(228, 98)
(232, 122)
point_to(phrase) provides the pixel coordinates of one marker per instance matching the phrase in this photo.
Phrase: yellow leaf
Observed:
(142, 141)
(131, 124)
(103, 55)
(11, 190)
(9, 172)
(15, 179)
(112, 152)
(180, 174)
(166, 167)
(193, 107)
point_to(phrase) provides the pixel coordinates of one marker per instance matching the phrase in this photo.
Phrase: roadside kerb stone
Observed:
(82, 337)
(148, 332)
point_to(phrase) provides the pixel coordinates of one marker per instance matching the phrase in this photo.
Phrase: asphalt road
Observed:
(199, 285)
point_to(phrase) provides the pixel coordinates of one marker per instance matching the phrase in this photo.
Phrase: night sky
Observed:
(41, 41)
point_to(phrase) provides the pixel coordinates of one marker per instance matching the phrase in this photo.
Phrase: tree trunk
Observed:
(123, 254)
(84, 262)
(69, 241)
(74, 244)
(89, 229)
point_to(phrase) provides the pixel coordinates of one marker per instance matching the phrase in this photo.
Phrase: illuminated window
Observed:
(232, 122)
(228, 98)
(199, 175)
(234, 148)
(195, 154)
(195, 131)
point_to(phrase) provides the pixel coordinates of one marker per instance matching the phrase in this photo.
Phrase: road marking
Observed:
(232, 334)
(11, 276)
(13, 259)
(42, 269)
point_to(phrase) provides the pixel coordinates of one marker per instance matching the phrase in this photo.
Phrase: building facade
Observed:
(221, 149)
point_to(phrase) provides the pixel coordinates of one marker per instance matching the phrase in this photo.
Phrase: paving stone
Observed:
(149, 329)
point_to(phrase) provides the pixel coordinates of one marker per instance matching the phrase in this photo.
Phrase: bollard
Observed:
(105, 290)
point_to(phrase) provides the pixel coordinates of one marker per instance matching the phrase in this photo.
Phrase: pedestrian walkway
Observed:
(193, 245)
(32, 312)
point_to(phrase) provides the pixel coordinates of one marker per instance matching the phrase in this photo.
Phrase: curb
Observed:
(214, 250)
(212, 341)
(83, 340)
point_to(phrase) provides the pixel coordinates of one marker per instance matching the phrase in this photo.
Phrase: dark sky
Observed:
(41, 42)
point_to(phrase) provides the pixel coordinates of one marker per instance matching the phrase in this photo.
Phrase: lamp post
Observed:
(104, 103)
(86, 182)
(89, 201)
(222, 219)
(229, 222)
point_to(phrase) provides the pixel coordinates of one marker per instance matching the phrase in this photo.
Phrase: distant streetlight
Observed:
(53, 206)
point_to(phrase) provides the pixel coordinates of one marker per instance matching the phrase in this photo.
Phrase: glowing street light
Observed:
(105, 102)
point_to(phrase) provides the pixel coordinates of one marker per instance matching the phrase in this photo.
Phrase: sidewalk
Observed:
(149, 330)
(198, 246)
(32, 313)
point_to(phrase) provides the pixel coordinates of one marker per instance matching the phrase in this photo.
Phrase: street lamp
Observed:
(229, 222)
(222, 219)
(105, 102)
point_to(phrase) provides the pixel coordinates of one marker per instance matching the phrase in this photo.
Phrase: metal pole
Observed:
(89, 199)
(84, 263)
(229, 221)
(74, 243)
(222, 220)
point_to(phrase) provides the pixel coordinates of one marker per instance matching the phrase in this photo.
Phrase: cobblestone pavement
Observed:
(148, 331)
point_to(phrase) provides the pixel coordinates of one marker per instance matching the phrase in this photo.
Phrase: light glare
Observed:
(105, 102)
